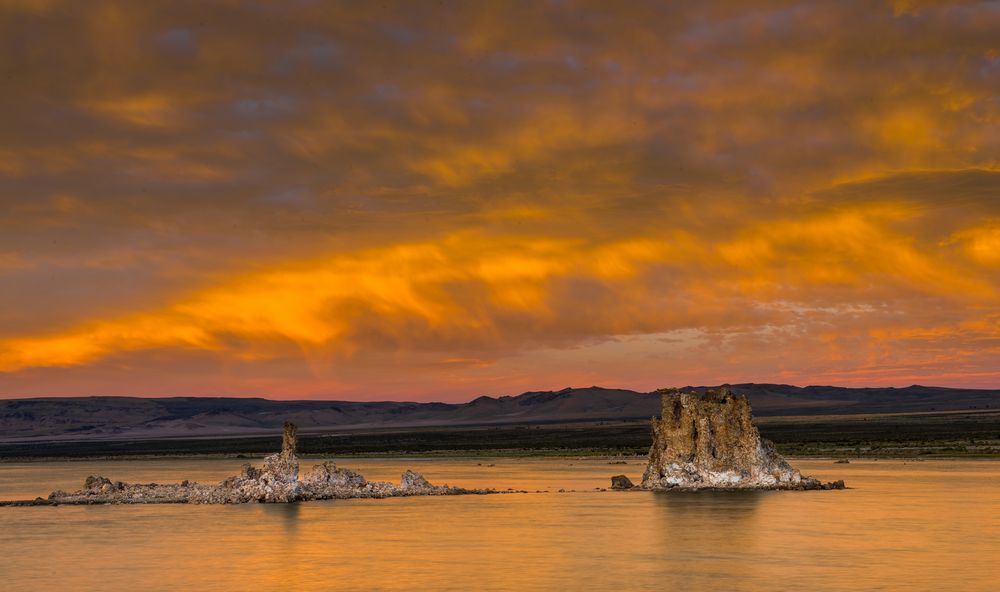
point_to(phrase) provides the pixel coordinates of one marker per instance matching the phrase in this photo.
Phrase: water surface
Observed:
(902, 526)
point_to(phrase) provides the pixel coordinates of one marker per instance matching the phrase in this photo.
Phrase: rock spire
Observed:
(289, 440)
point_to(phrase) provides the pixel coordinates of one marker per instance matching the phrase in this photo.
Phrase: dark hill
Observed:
(120, 418)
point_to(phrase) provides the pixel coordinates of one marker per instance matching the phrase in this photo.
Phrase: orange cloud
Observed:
(319, 199)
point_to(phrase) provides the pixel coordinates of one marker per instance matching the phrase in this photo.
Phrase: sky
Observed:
(440, 200)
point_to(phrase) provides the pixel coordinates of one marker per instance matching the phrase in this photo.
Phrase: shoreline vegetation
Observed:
(918, 435)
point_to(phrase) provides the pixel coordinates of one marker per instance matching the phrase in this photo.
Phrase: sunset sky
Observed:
(439, 200)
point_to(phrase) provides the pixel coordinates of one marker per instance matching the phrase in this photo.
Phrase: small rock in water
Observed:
(621, 482)
(96, 482)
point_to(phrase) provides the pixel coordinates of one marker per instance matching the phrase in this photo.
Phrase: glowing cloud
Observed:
(320, 200)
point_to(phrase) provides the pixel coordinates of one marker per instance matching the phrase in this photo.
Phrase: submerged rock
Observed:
(709, 441)
(277, 481)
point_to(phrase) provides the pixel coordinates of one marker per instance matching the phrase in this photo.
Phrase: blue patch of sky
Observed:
(181, 40)
(311, 48)
(786, 20)
(265, 106)
(572, 62)
(318, 49)
(991, 66)
(436, 40)
(295, 196)
(400, 34)
(689, 82)
(502, 60)
(384, 91)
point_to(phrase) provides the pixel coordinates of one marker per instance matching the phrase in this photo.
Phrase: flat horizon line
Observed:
(495, 397)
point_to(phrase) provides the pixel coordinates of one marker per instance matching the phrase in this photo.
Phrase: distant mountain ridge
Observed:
(80, 418)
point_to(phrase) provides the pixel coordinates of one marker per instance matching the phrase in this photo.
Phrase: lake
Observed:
(903, 525)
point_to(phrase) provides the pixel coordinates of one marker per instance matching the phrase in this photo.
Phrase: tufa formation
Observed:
(709, 441)
(277, 481)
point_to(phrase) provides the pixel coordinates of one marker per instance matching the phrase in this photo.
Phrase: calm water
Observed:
(904, 526)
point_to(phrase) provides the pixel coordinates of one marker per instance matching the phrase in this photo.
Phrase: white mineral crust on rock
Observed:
(709, 441)
(277, 481)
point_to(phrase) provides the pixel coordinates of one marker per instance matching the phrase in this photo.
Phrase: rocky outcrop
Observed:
(328, 474)
(277, 481)
(709, 441)
(413, 481)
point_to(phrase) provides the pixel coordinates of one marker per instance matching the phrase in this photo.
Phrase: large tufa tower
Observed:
(709, 441)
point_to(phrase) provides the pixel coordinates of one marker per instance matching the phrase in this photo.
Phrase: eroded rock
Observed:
(413, 481)
(621, 482)
(709, 441)
(277, 481)
(328, 474)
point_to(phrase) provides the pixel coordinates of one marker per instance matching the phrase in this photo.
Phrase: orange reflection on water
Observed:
(902, 525)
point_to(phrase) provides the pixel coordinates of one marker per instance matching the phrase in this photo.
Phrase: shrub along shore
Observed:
(945, 435)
